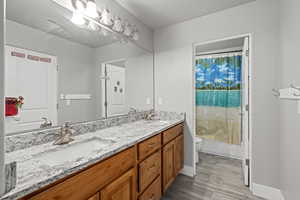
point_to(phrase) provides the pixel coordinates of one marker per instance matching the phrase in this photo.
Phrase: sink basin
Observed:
(157, 122)
(72, 152)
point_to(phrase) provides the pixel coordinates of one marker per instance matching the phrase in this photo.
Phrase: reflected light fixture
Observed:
(86, 15)
(77, 18)
(91, 9)
(106, 18)
(80, 6)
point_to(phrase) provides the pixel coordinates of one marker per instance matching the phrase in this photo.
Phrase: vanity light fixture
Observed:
(78, 19)
(80, 6)
(106, 18)
(135, 35)
(85, 12)
(118, 25)
(93, 26)
(91, 9)
(127, 30)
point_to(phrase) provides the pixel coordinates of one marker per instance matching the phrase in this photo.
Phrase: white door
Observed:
(115, 90)
(33, 76)
(245, 111)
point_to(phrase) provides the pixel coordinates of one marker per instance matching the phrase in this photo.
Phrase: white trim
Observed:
(222, 154)
(221, 149)
(219, 55)
(220, 50)
(195, 44)
(193, 128)
(2, 100)
(267, 192)
(187, 171)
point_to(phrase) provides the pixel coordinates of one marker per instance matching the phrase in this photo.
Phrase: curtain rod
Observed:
(207, 54)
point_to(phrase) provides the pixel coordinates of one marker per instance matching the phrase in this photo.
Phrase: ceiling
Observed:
(159, 13)
(48, 16)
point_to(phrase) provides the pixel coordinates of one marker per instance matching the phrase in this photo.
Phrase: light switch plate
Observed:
(148, 101)
(160, 101)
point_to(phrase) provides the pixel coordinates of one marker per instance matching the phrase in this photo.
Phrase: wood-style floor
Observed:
(218, 178)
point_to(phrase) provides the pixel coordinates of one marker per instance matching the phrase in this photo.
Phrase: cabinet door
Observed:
(95, 197)
(124, 188)
(168, 165)
(178, 155)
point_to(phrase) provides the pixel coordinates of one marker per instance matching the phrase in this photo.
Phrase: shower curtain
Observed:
(218, 97)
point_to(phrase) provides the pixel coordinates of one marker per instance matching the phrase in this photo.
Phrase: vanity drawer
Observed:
(172, 133)
(153, 192)
(88, 182)
(149, 146)
(149, 169)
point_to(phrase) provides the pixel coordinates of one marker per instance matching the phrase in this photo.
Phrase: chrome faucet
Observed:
(65, 136)
(150, 116)
(46, 124)
(132, 110)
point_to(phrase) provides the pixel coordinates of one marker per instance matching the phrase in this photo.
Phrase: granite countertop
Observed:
(44, 164)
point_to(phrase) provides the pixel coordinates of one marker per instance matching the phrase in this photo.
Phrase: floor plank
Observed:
(218, 178)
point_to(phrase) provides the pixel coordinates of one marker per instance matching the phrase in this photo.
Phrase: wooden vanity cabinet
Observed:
(124, 188)
(172, 154)
(168, 165)
(88, 182)
(178, 154)
(95, 197)
(142, 172)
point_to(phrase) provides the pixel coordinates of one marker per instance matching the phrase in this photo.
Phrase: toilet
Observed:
(197, 148)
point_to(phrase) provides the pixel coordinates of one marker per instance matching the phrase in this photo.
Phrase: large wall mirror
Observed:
(57, 71)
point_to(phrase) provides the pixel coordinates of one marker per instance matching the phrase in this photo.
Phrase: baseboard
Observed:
(221, 149)
(187, 171)
(222, 154)
(267, 192)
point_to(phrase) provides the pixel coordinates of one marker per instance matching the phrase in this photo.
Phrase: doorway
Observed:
(222, 114)
(39, 93)
(114, 88)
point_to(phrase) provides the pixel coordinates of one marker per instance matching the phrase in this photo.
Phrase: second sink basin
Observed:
(72, 151)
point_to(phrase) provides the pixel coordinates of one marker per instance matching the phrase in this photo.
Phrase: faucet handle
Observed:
(67, 124)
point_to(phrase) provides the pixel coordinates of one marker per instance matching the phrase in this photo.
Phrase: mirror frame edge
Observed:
(2, 134)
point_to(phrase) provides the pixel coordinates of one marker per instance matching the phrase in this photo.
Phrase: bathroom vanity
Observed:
(137, 160)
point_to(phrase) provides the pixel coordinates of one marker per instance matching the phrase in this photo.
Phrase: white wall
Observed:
(290, 119)
(76, 67)
(139, 82)
(173, 74)
(2, 134)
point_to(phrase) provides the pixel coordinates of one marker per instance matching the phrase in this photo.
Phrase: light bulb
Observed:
(127, 30)
(91, 9)
(135, 35)
(77, 18)
(106, 18)
(80, 6)
(118, 25)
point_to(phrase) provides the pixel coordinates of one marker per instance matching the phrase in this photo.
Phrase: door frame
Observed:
(103, 85)
(194, 45)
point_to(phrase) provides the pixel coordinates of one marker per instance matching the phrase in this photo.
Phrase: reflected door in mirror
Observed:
(115, 90)
(31, 75)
